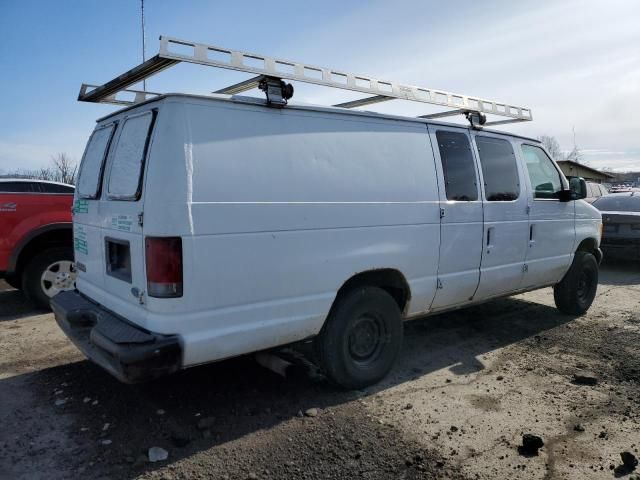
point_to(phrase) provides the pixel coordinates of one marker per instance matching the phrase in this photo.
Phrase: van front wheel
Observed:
(575, 293)
(361, 339)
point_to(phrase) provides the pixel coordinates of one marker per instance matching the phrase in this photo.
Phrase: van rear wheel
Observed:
(577, 290)
(361, 339)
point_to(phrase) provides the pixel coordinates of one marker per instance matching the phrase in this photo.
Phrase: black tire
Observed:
(13, 281)
(361, 338)
(575, 293)
(32, 274)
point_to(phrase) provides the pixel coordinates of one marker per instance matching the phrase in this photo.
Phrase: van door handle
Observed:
(532, 240)
(490, 238)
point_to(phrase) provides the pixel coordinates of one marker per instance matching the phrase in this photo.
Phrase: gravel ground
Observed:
(469, 384)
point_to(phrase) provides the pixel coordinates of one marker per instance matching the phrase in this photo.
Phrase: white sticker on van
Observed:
(122, 222)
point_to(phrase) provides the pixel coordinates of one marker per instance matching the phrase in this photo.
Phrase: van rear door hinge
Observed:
(440, 286)
(442, 213)
(141, 218)
(139, 294)
(525, 267)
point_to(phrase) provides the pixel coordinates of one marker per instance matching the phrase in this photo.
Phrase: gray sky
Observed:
(576, 64)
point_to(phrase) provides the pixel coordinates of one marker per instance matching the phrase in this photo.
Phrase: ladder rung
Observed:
(138, 95)
(504, 122)
(448, 113)
(364, 101)
(135, 75)
(242, 86)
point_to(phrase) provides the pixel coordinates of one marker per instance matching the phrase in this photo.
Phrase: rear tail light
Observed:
(164, 266)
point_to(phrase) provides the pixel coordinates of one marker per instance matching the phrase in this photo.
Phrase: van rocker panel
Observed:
(129, 353)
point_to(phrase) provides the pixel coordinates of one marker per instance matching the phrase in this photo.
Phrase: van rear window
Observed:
(93, 161)
(128, 157)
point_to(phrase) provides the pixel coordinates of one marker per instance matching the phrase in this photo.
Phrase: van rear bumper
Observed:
(128, 352)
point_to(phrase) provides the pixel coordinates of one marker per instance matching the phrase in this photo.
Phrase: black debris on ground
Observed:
(530, 445)
(588, 380)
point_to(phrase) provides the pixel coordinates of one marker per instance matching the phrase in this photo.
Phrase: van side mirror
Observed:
(577, 190)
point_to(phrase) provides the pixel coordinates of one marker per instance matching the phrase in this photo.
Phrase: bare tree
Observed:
(575, 155)
(64, 169)
(552, 146)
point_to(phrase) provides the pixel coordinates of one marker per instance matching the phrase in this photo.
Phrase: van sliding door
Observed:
(461, 216)
(506, 220)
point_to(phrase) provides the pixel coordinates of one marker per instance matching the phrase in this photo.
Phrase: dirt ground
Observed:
(468, 385)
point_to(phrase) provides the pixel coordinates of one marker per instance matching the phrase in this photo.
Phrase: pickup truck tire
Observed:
(32, 276)
(575, 293)
(361, 338)
(13, 281)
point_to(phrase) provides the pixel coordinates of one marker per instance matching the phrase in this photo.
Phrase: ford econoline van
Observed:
(207, 227)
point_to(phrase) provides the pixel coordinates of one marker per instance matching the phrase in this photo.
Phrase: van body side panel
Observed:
(588, 222)
(286, 206)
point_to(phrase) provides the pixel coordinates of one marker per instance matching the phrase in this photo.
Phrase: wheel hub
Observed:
(583, 285)
(57, 277)
(364, 338)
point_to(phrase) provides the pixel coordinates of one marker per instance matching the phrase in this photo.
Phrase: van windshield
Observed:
(93, 161)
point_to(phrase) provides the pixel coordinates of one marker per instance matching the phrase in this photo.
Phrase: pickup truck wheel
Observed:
(48, 273)
(575, 293)
(361, 339)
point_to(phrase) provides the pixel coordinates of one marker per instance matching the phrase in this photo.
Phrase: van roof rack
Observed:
(271, 71)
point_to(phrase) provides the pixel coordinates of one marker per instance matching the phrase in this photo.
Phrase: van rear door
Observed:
(122, 209)
(114, 230)
(87, 233)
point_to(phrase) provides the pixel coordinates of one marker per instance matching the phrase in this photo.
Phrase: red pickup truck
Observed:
(36, 237)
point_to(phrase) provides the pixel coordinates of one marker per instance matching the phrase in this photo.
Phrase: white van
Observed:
(211, 227)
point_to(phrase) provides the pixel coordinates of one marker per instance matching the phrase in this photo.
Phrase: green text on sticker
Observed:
(80, 243)
(81, 206)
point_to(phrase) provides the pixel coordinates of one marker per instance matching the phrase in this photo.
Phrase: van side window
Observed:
(457, 165)
(499, 169)
(128, 157)
(90, 176)
(544, 176)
